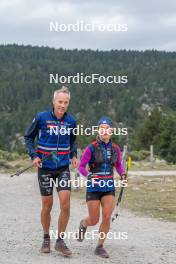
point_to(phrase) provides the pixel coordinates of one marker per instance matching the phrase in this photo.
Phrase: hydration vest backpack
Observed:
(98, 157)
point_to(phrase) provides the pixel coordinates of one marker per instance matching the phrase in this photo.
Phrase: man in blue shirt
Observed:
(53, 131)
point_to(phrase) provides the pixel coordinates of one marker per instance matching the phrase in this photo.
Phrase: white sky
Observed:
(151, 24)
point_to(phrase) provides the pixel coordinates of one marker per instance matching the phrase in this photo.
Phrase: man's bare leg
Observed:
(47, 202)
(64, 198)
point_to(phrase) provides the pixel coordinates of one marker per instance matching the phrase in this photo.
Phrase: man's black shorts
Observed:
(90, 196)
(48, 179)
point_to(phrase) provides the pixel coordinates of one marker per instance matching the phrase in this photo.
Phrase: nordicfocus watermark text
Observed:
(81, 78)
(81, 183)
(81, 26)
(90, 235)
(54, 129)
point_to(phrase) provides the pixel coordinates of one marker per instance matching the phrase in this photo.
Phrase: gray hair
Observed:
(63, 89)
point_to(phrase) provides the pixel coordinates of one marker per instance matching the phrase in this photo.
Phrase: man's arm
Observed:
(30, 136)
(73, 145)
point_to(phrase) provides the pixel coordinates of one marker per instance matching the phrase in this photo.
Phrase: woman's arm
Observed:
(86, 157)
(118, 164)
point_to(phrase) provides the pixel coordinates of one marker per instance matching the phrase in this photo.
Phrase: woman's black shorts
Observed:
(90, 196)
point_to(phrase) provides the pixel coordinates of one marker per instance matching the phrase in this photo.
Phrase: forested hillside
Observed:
(25, 87)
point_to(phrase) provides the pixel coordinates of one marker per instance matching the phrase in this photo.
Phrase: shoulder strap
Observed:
(114, 156)
(93, 145)
(114, 145)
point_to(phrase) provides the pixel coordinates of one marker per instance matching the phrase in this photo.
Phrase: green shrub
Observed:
(139, 155)
(10, 156)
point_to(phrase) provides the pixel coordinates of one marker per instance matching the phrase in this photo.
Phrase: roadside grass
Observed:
(152, 196)
(143, 165)
(13, 166)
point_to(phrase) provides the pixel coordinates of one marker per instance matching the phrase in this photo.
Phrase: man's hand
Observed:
(74, 162)
(37, 163)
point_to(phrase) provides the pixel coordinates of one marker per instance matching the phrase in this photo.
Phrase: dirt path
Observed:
(149, 241)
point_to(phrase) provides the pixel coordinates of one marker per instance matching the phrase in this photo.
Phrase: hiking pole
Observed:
(29, 167)
(121, 190)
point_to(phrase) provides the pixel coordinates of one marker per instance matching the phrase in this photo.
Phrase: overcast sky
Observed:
(151, 24)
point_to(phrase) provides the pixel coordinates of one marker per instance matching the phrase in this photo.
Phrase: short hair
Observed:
(63, 89)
